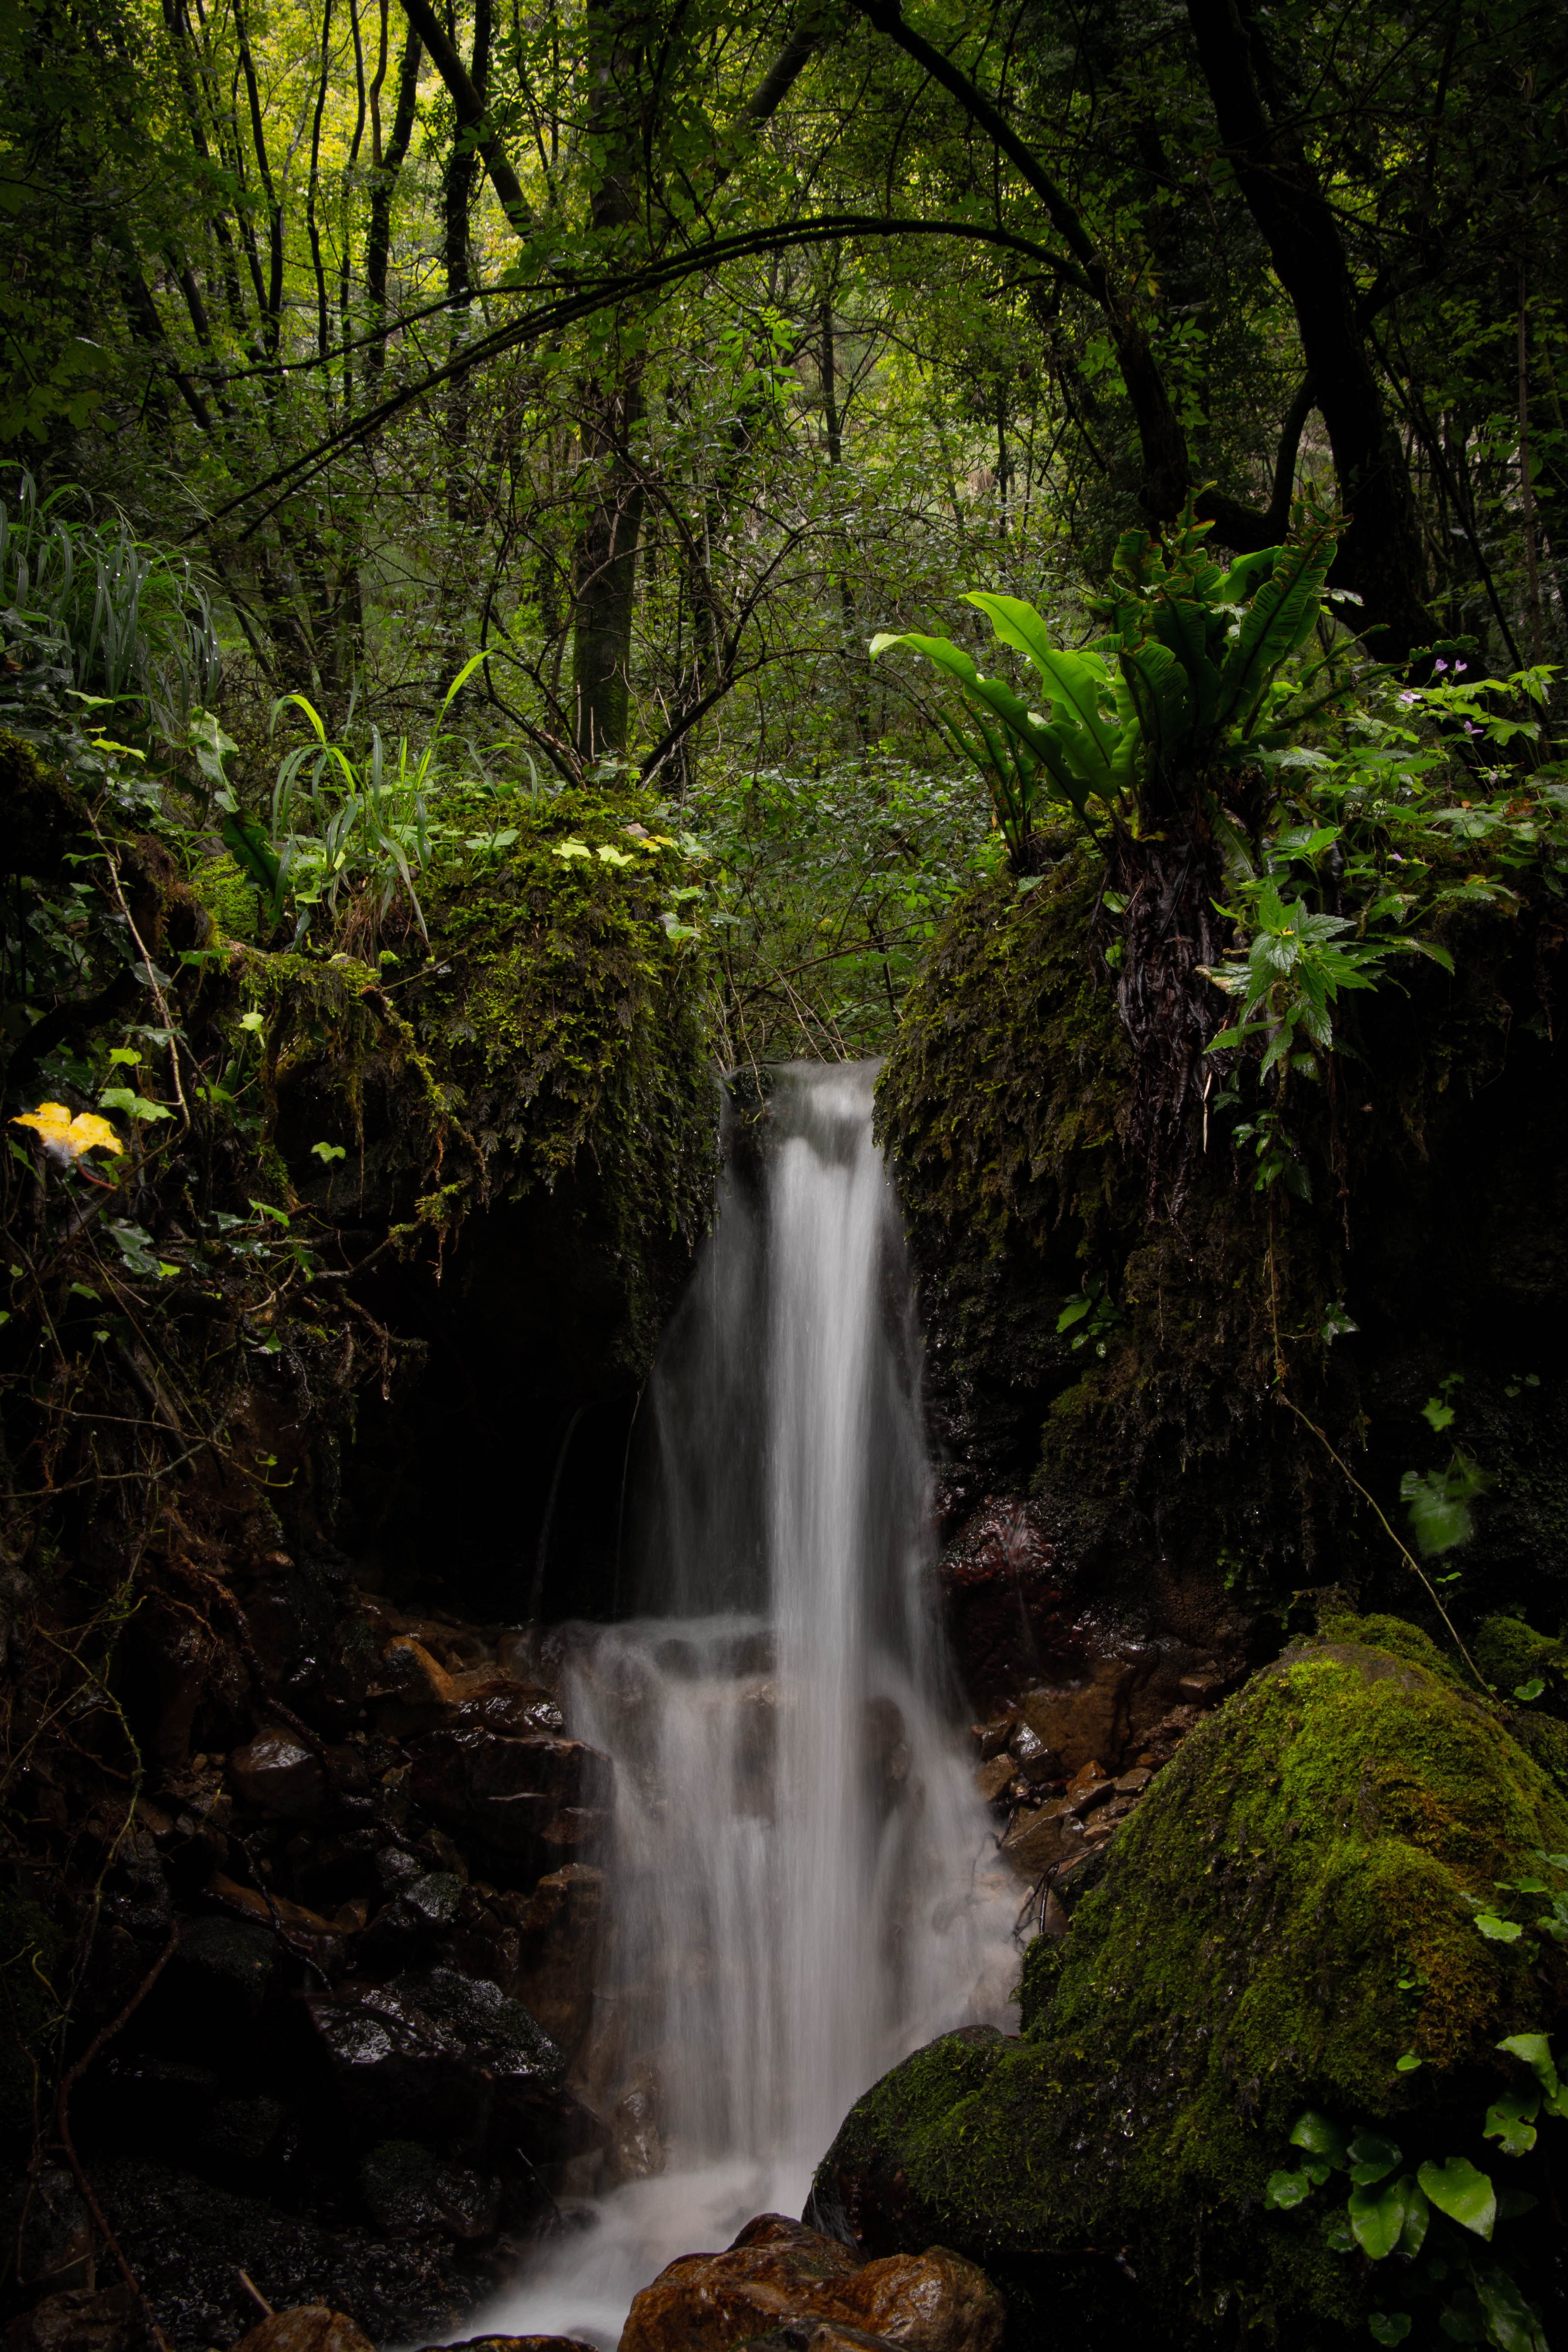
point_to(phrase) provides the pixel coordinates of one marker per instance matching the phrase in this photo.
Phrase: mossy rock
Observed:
(1290, 1911)
(1153, 1436)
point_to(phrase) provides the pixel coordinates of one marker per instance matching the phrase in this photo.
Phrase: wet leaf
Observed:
(1465, 2195)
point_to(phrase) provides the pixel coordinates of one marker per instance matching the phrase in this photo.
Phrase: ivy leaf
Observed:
(1284, 2190)
(1531, 1689)
(1389, 2326)
(1535, 2051)
(1372, 2158)
(1320, 2137)
(135, 1106)
(325, 1152)
(1461, 2192)
(1510, 2121)
(1497, 1931)
(1377, 2218)
(1512, 2323)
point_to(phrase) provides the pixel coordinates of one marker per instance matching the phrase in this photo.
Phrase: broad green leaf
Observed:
(1371, 2157)
(1535, 2050)
(1319, 2136)
(1495, 1930)
(1377, 2218)
(1417, 2215)
(1512, 2323)
(1465, 2195)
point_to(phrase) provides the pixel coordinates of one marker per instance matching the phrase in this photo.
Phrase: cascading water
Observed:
(803, 1886)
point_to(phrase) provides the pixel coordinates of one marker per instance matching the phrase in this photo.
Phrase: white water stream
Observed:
(802, 1885)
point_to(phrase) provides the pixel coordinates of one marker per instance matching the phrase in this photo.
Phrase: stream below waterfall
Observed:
(804, 1882)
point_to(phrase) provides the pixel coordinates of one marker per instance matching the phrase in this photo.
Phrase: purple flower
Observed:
(1442, 665)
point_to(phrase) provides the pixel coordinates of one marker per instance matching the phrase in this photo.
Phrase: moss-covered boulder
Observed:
(1290, 1912)
(512, 1126)
(1150, 1432)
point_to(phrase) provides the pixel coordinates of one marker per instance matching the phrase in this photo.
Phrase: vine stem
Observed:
(1411, 1562)
(1409, 1558)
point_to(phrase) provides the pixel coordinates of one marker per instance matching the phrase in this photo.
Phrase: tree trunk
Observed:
(1380, 556)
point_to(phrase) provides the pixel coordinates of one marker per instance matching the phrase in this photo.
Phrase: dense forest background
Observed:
(664, 356)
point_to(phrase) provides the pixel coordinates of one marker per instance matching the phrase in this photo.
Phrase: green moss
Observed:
(1435, 1223)
(1400, 1638)
(1288, 1911)
(1509, 1652)
(229, 897)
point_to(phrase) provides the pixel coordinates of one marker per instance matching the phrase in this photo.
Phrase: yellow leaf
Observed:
(65, 1138)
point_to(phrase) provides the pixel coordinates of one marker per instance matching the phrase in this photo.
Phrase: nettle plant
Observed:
(1429, 2224)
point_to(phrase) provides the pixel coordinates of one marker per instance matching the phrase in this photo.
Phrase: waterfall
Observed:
(803, 1882)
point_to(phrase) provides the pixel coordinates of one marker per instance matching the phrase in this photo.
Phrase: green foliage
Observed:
(1186, 683)
(1481, 2299)
(128, 626)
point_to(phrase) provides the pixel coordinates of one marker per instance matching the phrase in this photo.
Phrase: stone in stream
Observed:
(787, 2282)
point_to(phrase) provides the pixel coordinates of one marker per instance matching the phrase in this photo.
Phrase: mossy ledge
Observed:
(1290, 1911)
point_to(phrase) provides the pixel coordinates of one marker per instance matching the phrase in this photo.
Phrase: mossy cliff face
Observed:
(1289, 1912)
(1171, 1480)
(531, 1104)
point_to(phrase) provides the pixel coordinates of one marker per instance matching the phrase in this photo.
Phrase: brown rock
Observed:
(83, 2319)
(1040, 1841)
(994, 1779)
(277, 1773)
(778, 2273)
(636, 2147)
(934, 2301)
(776, 2270)
(538, 1797)
(558, 1941)
(991, 1737)
(1133, 1783)
(515, 2344)
(307, 2327)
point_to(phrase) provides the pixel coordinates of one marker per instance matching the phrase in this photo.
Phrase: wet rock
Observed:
(277, 1773)
(776, 2270)
(635, 2151)
(437, 2054)
(407, 1929)
(408, 2190)
(187, 2241)
(1043, 1839)
(558, 1934)
(1033, 1759)
(56, 2241)
(516, 2344)
(992, 1738)
(933, 2302)
(309, 2327)
(781, 2276)
(994, 1779)
(83, 2319)
(1089, 1720)
(295, 1927)
(539, 1797)
(1002, 1600)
